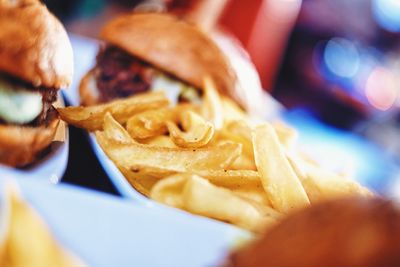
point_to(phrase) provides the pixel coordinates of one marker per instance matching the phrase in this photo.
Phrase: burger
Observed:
(152, 51)
(35, 61)
(354, 232)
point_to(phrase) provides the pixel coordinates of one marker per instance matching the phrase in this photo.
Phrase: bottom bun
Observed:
(88, 91)
(21, 145)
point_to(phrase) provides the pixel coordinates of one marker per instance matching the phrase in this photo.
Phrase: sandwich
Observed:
(153, 51)
(354, 232)
(35, 62)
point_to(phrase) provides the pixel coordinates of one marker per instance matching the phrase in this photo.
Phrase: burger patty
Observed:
(49, 96)
(119, 74)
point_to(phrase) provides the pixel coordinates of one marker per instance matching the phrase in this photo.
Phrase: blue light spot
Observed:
(387, 14)
(341, 58)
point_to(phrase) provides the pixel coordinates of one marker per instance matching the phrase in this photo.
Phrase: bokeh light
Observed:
(381, 89)
(387, 14)
(341, 57)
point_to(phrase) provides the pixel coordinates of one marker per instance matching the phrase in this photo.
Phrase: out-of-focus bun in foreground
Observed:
(355, 232)
(35, 61)
(34, 46)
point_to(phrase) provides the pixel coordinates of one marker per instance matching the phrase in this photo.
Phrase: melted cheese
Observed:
(174, 89)
(18, 105)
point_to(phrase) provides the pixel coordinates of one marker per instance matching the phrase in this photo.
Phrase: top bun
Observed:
(34, 45)
(354, 232)
(174, 46)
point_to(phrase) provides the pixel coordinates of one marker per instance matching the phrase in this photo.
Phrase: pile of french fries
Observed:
(210, 158)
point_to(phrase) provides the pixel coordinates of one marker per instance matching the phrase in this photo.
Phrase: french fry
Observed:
(91, 117)
(238, 131)
(321, 184)
(231, 110)
(114, 130)
(286, 135)
(197, 195)
(168, 191)
(185, 160)
(211, 108)
(152, 123)
(231, 178)
(198, 132)
(251, 192)
(283, 187)
(243, 162)
(142, 182)
(28, 240)
(227, 178)
(159, 141)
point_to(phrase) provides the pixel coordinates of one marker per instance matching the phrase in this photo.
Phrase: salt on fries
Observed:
(209, 158)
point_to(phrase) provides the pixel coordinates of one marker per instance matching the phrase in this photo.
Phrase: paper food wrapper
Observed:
(61, 132)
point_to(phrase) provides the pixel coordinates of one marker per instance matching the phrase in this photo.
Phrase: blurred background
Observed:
(333, 65)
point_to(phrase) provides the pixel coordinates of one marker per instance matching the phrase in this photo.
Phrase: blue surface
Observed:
(335, 148)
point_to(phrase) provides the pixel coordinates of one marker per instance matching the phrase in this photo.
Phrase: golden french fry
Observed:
(211, 108)
(91, 117)
(200, 196)
(234, 179)
(256, 199)
(231, 110)
(283, 187)
(243, 162)
(28, 240)
(198, 132)
(142, 182)
(159, 141)
(287, 135)
(152, 123)
(197, 195)
(184, 160)
(149, 123)
(169, 191)
(321, 184)
(114, 130)
(244, 183)
(254, 192)
(240, 132)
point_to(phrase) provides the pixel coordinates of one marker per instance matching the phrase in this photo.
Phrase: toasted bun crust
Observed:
(34, 45)
(343, 233)
(174, 46)
(20, 145)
